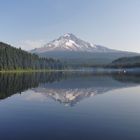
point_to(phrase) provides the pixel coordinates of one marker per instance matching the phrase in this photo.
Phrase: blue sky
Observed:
(31, 23)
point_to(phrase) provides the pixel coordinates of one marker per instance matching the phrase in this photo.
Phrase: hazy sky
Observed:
(31, 23)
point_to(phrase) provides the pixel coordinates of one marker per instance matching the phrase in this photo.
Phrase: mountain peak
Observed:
(68, 35)
(69, 42)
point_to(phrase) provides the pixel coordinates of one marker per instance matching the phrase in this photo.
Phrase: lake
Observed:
(69, 106)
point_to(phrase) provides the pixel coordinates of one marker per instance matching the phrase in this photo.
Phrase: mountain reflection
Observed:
(66, 88)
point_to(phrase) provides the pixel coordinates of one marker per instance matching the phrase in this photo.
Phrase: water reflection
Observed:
(18, 82)
(65, 88)
(130, 78)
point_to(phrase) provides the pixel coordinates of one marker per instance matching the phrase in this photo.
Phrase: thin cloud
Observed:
(31, 44)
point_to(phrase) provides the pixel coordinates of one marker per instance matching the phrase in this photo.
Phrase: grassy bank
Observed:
(28, 71)
(44, 70)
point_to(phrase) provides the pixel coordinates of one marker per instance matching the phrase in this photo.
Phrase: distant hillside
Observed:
(75, 51)
(86, 58)
(126, 62)
(12, 59)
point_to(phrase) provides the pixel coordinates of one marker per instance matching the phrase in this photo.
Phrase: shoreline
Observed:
(28, 71)
(31, 71)
(94, 70)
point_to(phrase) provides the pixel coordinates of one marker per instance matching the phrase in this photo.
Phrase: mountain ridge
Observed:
(74, 51)
(69, 42)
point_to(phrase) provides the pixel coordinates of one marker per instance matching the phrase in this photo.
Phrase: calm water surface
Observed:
(69, 106)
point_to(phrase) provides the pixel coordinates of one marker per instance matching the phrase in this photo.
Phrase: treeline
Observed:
(13, 59)
(126, 62)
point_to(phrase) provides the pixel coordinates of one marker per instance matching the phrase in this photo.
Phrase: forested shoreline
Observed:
(12, 58)
(126, 62)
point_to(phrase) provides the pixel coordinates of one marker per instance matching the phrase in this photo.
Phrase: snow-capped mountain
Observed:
(74, 51)
(70, 42)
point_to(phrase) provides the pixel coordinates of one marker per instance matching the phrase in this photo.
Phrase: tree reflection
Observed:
(18, 82)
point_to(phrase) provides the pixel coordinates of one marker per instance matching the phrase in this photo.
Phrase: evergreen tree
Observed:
(12, 59)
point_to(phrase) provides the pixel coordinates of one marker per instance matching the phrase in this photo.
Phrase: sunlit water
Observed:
(69, 106)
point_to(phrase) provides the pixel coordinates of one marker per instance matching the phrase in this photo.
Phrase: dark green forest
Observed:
(15, 59)
(126, 62)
